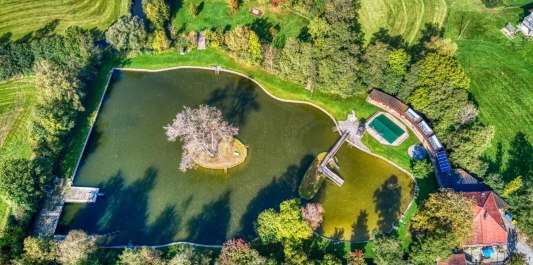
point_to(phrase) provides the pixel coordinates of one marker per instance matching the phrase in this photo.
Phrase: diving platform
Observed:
(81, 194)
(330, 157)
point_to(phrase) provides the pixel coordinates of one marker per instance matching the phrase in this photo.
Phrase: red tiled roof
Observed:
(455, 259)
(489, 228)
(389, 101)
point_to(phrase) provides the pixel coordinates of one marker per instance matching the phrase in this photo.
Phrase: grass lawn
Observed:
(401, 17)
(20, 17)
(499, 68)
(16, 101)
(4, 215)
(216, 14)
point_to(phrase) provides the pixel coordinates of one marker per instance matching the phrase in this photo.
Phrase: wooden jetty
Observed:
(81, 194)
(329, 157)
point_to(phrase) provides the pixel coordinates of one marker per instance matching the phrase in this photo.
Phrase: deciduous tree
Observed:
(38, 250)
(513, 186)
(141, 256)
(467, 145)
(127, 34)
(447, 211)
(387, 250)
(157, 12)
(76, 248)
(312, 213)
(202, 132)
(22, 182)
(255, 55)
(357, 257)
(238, 251)
(160, 41)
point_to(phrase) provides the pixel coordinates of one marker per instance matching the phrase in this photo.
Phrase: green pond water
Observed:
(149, 201)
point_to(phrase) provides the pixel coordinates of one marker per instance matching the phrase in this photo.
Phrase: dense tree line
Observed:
(62, 65)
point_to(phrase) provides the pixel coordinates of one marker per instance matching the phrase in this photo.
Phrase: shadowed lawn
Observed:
(19, 18)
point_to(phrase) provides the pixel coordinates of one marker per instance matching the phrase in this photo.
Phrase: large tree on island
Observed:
(203, 132)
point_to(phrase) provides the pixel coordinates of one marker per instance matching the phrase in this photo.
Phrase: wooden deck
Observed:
(324, 165)
(81, 194)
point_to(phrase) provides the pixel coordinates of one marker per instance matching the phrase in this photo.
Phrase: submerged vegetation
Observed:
(313, 178)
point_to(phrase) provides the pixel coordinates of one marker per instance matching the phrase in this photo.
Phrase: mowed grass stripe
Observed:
(16, 96)
(401, 17)
(22, 17)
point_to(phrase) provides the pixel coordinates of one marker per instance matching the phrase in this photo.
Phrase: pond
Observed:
(149, 201)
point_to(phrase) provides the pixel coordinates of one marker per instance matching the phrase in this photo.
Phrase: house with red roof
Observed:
(455, 259)
(489, 228)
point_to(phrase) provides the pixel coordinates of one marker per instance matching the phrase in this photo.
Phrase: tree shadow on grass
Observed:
(47, 30)
(383, 35)
(387, 200)
(235, 101)
(261, 26)
(280, 189)
(5, 38)
(520, 157)
(212, 223)
(360, 228)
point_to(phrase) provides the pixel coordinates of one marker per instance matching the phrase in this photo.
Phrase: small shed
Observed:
(201, 40)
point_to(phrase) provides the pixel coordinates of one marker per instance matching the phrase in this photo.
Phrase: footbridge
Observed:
(330, 157)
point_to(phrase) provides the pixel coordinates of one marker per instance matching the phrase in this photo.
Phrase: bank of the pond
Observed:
(297, 142)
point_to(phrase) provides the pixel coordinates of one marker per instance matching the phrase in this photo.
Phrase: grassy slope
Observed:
(16, 101)
(21, 17)
(499, 69)
(401, 17)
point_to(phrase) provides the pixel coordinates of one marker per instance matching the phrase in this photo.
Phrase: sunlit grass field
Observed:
(500, 69)
(21, 17)
(16, 103)
(401, 17)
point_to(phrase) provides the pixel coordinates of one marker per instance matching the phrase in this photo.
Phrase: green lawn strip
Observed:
(16, 107)
(22, 17)
(216, 14)
(397, 154)
(4, 215)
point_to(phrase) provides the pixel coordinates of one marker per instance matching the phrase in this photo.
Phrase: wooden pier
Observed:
(329, 157)
(81, 194)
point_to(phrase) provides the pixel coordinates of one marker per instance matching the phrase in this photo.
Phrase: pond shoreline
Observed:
(270, 95)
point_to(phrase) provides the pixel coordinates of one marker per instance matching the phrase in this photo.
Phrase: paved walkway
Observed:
(518, 243)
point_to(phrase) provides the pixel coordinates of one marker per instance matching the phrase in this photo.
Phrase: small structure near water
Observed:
(81, 194)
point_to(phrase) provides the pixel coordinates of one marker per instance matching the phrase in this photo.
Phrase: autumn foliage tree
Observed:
(202, 131)
(312, 213)
(233, 6)
(237, 251)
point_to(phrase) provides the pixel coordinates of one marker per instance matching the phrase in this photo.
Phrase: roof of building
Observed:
(489, 228)
(388, 100)
(455, 259)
